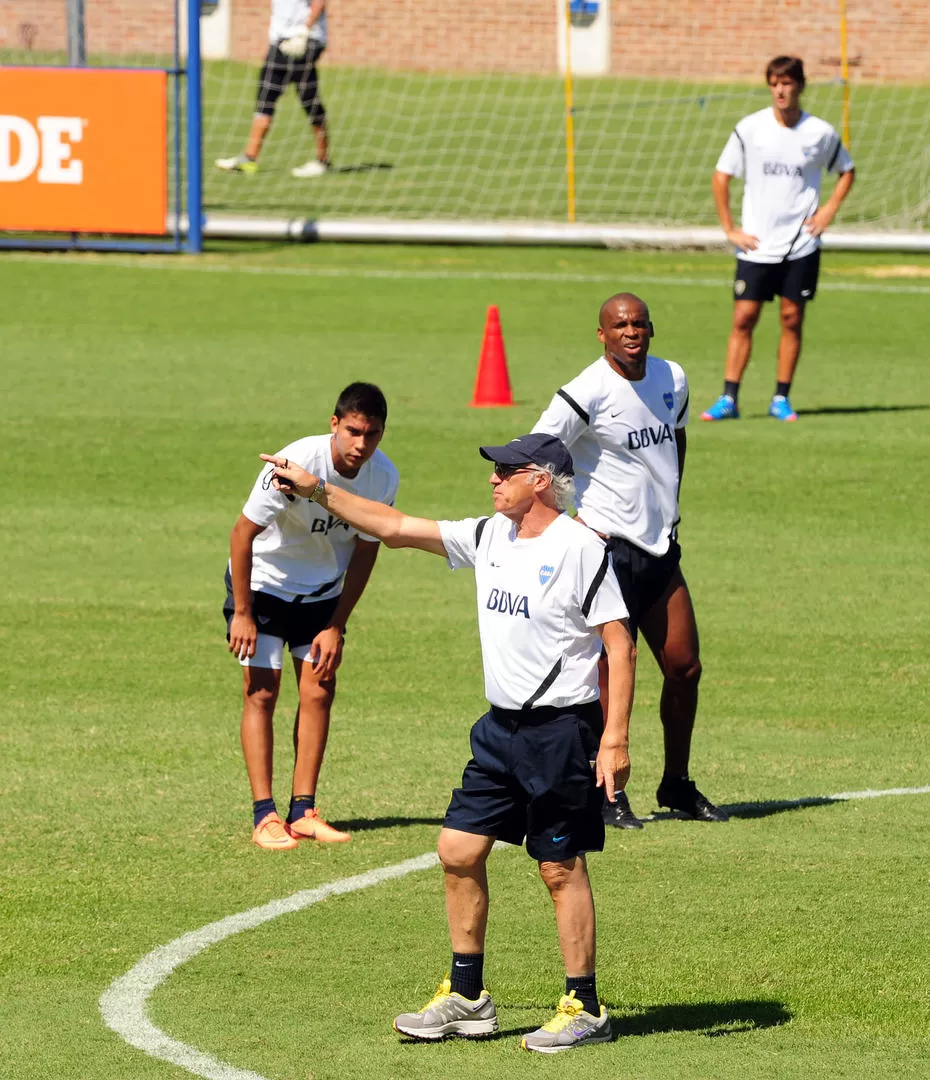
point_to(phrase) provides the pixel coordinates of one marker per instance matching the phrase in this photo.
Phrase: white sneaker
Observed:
(310, 171)
(240, 163)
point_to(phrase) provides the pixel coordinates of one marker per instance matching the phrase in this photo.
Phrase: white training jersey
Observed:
(539, 603)
(622, 438)
(288, 14)
(782, 167)
(304, 550)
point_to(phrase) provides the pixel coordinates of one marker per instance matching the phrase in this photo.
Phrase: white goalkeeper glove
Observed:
(294, 45)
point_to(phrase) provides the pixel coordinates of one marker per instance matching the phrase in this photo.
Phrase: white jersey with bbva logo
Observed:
(782, 167)
(304, 550)
(288, 14)
(539, 602)
(622, 438)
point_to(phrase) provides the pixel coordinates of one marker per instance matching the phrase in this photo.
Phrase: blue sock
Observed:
(300, 804)
(262, 808)
(467, 974)
(585, 987)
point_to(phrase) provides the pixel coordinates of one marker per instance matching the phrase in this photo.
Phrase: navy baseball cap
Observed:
(535, 449)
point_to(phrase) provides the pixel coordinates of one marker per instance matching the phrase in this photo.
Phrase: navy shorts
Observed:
(794, 279)
(532, 776)
(279, 70)
(643, 578)
(297, 622)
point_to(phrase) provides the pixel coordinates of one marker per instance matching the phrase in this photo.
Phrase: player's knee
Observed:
(684, 670)
(261, 696)
(745, 322)
(792, 321)
(317, 693)
(558, 875)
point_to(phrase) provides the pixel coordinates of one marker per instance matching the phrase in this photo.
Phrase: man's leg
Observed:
(460, 1006)
(260, 694)
(261, 125)
(789, 350)
(464, 859)
(580, 1018)
(739, 348)
(570, 888)
(670, 630)
(322, 142)
(311, 732)
(271, 82)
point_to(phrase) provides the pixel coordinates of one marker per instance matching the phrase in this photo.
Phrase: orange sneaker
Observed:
(312, 827)
(272, 833)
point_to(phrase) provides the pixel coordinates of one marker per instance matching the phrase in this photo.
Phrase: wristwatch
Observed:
(314, 495)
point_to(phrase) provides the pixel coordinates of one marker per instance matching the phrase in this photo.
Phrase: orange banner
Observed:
(83, 150)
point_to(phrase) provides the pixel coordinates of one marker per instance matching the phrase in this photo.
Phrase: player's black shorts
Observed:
(279, 70)
(532, 775)
(643, 578)
(794, 279)
(297, 622)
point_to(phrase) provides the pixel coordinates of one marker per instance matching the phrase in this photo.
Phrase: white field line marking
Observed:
(123, 1003)
(153, 262)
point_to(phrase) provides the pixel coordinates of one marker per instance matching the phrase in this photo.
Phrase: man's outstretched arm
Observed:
(394, 528)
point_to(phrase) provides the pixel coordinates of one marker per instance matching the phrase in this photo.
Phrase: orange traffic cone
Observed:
(492, 383)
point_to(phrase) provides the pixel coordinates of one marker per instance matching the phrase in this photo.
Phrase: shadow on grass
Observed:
(362, 166)
(853, 410)
(845, 410)
(777, 806)
(709, 1018)
(369, 824)
(751, 809)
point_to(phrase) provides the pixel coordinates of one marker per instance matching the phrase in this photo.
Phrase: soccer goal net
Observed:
(552, 111)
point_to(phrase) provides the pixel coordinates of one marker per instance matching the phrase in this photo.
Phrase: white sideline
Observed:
(123, 1003)
(201, 265)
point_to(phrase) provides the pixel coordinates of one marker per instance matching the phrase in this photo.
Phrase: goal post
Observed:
(100, 128)
(522, 116)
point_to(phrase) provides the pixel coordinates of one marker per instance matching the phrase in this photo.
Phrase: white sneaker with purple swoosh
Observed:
(569, 1028)
(447, 1014)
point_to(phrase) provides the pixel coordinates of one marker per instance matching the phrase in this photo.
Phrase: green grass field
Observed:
(791, 942)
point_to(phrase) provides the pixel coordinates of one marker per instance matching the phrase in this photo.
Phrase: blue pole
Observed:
(194, 149)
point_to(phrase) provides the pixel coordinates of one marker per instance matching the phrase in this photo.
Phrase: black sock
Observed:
(300, 804)
(782, 389)
(731, 389)
(467, 974)
(261, 808)
(585, 987)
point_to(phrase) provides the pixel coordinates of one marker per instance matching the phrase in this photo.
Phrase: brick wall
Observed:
(888, 39)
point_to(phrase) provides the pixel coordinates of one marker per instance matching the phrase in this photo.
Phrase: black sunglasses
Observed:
(506, 471)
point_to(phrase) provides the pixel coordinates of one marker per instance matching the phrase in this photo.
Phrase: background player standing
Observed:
(296, 40)
(781, 152)
(546, 603)
(295, 574)
(624, 420)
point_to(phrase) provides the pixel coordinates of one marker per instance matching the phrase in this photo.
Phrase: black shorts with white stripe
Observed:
(643, 577)
(280, 70)
(297, 622)
(794, 279)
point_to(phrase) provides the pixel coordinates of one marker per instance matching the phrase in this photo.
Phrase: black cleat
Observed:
(619, 813)
(683, 795)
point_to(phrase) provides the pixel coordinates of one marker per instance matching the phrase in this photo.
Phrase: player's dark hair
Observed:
(792, 66)
(364, 398)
